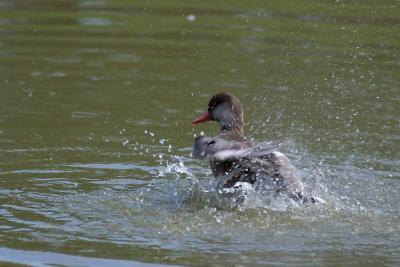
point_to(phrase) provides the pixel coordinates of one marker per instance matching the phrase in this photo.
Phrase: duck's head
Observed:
(225, 109)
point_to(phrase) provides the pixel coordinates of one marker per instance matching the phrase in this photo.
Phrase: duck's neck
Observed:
(233, 131)
(230, 129)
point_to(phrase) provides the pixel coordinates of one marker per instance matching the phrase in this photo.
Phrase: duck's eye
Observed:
(211, 143)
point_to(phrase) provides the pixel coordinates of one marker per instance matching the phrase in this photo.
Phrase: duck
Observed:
(242, 159)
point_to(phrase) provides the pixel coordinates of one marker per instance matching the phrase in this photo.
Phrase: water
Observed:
(96, 103)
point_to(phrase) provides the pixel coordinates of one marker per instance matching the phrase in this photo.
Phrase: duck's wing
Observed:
(230, 154)
(289, 173)
(258, 151)
(263, 149)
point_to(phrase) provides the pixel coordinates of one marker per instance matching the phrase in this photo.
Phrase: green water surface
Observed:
(96, 100)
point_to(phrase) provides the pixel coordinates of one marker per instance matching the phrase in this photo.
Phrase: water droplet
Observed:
(124, 143)
(191, 17)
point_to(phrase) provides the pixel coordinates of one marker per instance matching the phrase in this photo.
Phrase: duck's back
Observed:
(273, 170)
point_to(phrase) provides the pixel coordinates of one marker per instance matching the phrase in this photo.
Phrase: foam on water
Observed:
(345, 194)
(178, 205)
